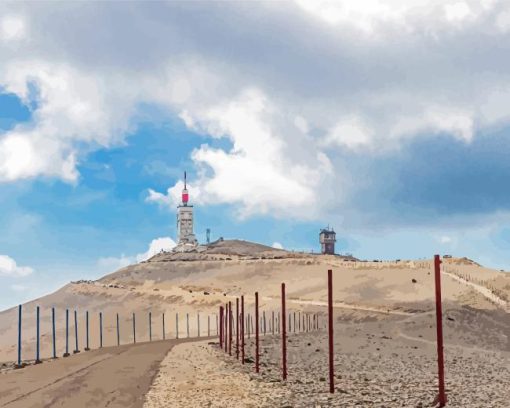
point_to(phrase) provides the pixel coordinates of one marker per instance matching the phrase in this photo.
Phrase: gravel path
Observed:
(375, 367)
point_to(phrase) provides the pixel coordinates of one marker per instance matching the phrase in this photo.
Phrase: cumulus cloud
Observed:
(9, 268)
(343, 77)
(155, 247)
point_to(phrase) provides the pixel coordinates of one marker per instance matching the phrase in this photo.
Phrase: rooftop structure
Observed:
(327, 239)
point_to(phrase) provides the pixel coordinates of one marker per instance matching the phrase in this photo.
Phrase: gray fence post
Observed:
(150, 326)
(38, 332)
(100, 329)
(53, 332)
(164, 336)
(134, 329)
(19, 336)
(76, 350)
(66, 354)
(87, 330)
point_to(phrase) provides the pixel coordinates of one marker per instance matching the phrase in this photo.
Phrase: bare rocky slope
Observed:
(198, 282)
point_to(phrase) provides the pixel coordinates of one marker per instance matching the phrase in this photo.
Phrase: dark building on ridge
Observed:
(327, 238)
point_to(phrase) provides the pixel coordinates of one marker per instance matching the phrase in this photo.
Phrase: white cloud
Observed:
(350, 132)
(112, 263)
(287, 108)
(277, 245)
(9, 268)
(457, 12)
(259, 172)
(156, 246)
(12, 28)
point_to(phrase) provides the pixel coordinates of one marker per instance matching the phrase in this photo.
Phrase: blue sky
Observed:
(387, 120)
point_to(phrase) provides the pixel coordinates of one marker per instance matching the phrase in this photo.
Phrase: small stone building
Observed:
(327, 238)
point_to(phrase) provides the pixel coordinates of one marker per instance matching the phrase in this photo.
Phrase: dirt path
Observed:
(195, 375)
(109, 377)
(485, 292)
(342, 305)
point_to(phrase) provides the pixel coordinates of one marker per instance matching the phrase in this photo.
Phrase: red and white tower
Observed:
(185, 235)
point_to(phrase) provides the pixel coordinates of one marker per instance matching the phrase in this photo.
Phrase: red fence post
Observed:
(441, 398)
(284, 336)
(257, 332)
(330, 323)
(225, 333)
(229, 328)
(237, 328)
(242, 329)
(221, 326)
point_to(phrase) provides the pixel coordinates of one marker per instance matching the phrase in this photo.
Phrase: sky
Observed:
(385, 119)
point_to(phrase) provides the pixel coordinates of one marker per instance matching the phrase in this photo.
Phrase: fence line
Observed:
(306, 322)
(68, 331)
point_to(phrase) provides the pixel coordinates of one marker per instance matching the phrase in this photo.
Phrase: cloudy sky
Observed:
(387, 119)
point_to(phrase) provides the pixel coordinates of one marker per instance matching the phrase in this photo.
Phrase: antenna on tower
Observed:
(185, 195)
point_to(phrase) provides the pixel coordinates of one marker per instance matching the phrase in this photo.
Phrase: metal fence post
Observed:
(441, 398)
(242, 329)
(66, 354)
(198, 324)
(38, 332)
(164, 335)
(187, 324)
(19, 335)
(150, 326)
(237, 328)
(226, 328)
(208, 325)
(77, 349)
(229, 328)
(53, 332)
(330, 331)
(284, 337)
(221, 327)
(100, 329)
(257, 368)
(87, 330)
(134, 329)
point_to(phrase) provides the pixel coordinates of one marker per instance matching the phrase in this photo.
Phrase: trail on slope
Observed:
(342, 305)
(485, 292)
